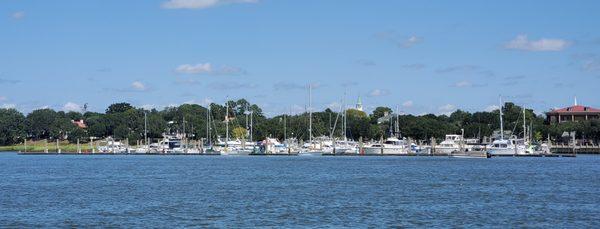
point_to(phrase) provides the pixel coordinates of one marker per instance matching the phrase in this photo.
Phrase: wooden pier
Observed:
(118, 154)
(577, 149)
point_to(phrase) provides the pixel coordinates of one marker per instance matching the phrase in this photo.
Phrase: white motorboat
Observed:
(391, 146)
(503, 147)
(453, 143)
(272, 146)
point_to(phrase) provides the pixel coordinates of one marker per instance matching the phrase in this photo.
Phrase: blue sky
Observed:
(423, 57)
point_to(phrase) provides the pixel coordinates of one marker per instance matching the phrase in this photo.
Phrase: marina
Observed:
(299, 114)
(181, 142)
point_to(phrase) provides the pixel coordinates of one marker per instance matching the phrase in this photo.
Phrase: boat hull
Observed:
(384, 151)
(503, 151)
(311, 153)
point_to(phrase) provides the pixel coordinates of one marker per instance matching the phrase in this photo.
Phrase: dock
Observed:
(273, 154)
(577, 149)
(119, 154)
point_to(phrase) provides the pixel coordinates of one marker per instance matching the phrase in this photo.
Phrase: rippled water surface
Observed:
(187, 191)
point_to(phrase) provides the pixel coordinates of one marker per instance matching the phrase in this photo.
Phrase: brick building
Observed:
(573, 113)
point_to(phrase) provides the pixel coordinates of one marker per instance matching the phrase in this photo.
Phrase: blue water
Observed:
(210, 191)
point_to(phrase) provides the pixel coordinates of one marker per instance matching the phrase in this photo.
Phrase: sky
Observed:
(414, 56)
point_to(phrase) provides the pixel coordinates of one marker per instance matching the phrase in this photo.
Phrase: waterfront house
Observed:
(572, 114)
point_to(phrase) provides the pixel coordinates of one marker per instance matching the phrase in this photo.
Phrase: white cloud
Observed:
(70, 106)
(447, 109)
(491, 108)
(521, 42)
(8, 106)
(592, 65)
(3, 98)
(207, 68)
(139, 86)
(466, 83)
(204, 102)
(399, 40)
(148, 106)
(18, 15)
(378, 92)
(408, 103)
(194, 69)
(411, 41)
(200, 4)
(463, 83)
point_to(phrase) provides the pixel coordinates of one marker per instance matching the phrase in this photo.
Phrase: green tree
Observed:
(239, 133)
(46, 123)
(380, 112)
(118, 107)
(78, 134)
(12, 126)
(356, 113)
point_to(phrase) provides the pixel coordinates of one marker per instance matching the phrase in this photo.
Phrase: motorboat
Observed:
(391, 146)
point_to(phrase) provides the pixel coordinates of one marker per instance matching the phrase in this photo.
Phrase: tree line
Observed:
(124, 121)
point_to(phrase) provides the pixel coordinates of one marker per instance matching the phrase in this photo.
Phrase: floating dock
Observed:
(578, 149)
(117, 154)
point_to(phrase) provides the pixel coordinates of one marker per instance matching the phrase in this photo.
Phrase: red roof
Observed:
(79, 123)
(576, 108)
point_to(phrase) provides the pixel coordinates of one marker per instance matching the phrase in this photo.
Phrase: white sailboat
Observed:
(312, 148)
(506, 147)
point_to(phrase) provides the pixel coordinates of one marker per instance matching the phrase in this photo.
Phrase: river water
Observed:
(212, 191)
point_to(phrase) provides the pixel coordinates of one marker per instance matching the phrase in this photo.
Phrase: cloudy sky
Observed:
(431, 57)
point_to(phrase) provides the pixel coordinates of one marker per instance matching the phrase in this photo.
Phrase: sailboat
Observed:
(312, 147)
(343, 146)
(506, 147)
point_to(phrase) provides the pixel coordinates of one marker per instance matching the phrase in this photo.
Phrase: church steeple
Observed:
(359, 104)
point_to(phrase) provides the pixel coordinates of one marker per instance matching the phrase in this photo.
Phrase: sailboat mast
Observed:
(251, 112)
(226, 123)
(145, 128)
(208, 125)
(397, 126)
(524, 126)
(330, 127)
(391, 118)
(184, 134)
(310, 113)
(284, 130)
(345, 124)
(501, 121)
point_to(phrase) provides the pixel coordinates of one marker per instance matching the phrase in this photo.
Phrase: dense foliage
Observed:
(123, 121)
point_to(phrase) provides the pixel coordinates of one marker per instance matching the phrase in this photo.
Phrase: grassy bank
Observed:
(41, 146)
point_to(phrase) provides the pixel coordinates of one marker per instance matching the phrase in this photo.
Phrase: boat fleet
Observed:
(453, 145)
